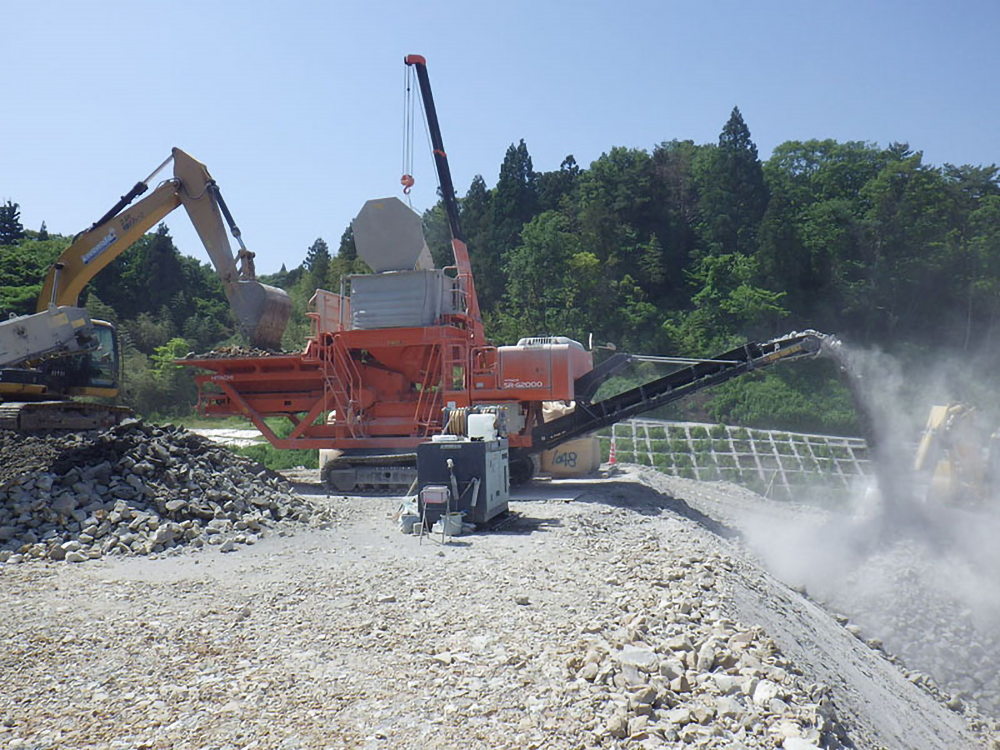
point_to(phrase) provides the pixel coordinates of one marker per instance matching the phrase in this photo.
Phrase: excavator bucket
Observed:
(261, 312)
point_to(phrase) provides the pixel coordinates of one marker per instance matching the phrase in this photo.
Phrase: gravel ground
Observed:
(623, 612)
(922, 583)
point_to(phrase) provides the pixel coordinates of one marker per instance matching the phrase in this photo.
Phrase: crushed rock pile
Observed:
(683, 672)
(918, 606)
(236, 352)
(922, 602)
(134, 489)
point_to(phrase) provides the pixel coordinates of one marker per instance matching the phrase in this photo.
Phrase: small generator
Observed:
(472, 460)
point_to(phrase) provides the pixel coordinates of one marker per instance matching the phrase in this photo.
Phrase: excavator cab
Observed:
(91, 373)
(102, 366)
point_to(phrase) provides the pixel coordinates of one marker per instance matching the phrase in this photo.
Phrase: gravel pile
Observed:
(683, 671)
(237, 352)
(134, 489)
(920, 592)
(934, 613)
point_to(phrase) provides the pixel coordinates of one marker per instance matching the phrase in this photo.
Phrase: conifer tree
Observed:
(11, 229)
(515, 199)
(734, 195)
(486, 266)
(348, 250)
(317, 260)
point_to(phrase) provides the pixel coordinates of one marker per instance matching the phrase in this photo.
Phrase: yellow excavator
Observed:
(59, 353)
(959, 458)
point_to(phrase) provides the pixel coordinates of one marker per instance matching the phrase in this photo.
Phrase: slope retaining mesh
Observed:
(773, 462)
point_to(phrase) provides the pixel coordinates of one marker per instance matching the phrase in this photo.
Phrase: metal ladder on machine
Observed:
(334, 360)
(429, 399)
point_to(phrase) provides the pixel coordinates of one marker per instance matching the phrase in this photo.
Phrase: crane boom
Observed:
(459, 248)
(437, 145)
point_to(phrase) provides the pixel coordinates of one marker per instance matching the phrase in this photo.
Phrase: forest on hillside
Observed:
(684, 249)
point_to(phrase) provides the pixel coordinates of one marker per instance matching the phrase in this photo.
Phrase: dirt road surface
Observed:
(619, 612)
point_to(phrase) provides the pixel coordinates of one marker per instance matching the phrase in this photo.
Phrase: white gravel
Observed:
(234, 437)
(605, 613)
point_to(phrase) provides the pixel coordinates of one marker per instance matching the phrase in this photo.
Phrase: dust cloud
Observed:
(921, 576)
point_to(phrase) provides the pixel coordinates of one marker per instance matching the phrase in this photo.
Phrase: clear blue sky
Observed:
(296, 107)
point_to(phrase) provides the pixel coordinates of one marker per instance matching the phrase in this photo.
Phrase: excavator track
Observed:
(39, 416)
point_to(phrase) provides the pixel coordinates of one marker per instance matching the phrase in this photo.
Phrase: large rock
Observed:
(644, 659)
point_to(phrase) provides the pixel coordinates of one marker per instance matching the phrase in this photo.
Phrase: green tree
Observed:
(437, 234)
(539, 293)
(556, 189)
(728, 306)
(147, 331)
(811, 237)
(159, 273)
(487, 265)
(317, 261)
(23, 267)
(348, 250)
(344, 263)
(734, 195)
(155, 386)
(677, 206)
(905, 253)
(982, 276)
(617, 204)
(515, 199)
(11, 229)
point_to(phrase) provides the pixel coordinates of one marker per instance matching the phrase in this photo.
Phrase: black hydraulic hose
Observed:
(225, 212)
(138, 189)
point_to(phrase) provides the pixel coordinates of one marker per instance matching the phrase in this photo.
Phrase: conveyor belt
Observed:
(588, 417)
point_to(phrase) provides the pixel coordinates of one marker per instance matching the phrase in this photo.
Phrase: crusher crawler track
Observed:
(385, 474)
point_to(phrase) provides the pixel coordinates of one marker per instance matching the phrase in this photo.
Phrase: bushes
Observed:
(806, 398)
(155, 386)
(278, 459)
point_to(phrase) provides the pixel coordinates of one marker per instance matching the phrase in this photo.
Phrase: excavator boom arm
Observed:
(261, 311)
(94, 249)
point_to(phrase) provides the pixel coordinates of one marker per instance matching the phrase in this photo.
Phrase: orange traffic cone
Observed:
(613, 453)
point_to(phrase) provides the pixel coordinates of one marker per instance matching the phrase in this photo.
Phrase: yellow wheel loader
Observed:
(959, 457)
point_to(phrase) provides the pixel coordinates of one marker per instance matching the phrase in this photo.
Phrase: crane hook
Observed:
(407, 182)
